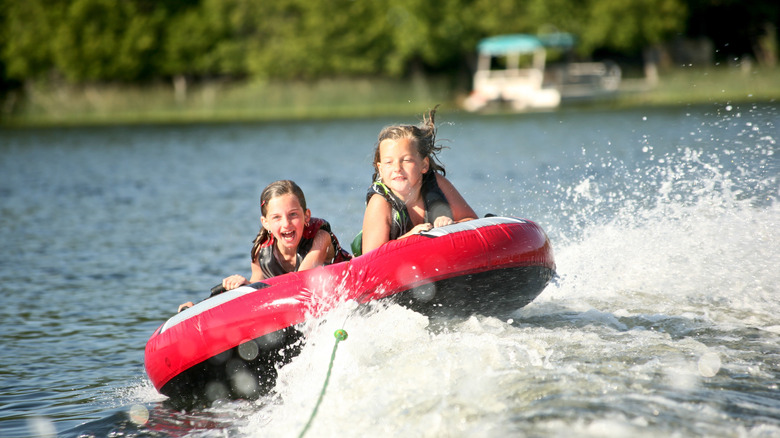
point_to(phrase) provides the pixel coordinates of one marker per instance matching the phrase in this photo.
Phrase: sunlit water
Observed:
(664, 320)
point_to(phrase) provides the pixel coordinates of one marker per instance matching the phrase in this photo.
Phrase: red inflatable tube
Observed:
(230, 345)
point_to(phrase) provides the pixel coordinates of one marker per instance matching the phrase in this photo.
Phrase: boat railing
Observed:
(582, 79)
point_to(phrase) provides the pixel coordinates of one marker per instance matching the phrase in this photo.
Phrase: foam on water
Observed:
(718, 262)
(396, 374)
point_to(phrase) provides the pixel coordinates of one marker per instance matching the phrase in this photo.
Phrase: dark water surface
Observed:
(664, 321)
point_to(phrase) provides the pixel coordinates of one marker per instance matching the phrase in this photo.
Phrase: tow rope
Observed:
(341, 335)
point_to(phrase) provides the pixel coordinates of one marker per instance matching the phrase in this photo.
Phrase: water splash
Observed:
(726, 165)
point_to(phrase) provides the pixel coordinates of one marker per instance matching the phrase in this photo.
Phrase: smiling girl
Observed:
(289, 239)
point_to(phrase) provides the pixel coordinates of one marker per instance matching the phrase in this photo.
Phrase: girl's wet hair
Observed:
(271, 191)
(424, 137)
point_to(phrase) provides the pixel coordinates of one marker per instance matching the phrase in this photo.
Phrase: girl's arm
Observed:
(257, 273)
(232, 282)
(461, 210)
(376, 223)
(321, 248)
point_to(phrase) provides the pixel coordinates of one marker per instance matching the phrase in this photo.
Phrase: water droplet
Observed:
(41, 427)
(138, 414)
(709, 364)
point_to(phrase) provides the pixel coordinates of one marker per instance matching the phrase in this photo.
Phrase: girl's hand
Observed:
(420, 228)
(233, 282)
(186, 305)
(442, 221)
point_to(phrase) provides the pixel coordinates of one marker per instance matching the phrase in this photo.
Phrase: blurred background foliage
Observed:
(185, 42)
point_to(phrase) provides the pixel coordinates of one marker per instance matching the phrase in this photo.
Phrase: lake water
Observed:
(664, 320)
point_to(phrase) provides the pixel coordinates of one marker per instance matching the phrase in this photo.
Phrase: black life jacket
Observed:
(271, 266)
(435, 202)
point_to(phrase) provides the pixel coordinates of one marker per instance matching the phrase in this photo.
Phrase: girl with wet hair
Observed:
(409, 193)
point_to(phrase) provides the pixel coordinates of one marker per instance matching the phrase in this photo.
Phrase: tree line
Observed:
(86, 41)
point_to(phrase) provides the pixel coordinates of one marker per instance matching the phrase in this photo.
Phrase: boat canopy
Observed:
(523, 43)
(504, 44)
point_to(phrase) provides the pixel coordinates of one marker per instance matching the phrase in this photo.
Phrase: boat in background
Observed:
(513, 69)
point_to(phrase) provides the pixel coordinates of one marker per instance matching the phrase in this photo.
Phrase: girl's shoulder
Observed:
(315, 224)
(441, 178)
(444, 184)
(378, 202)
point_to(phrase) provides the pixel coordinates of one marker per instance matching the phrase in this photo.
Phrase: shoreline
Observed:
(260, 102)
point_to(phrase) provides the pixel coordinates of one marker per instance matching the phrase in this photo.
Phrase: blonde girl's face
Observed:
(285, 219)
(401, 167)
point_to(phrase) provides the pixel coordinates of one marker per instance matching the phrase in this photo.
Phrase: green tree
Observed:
(29, 28)
(559, 16)
(107, 40)
(310, 38)
(300, 38)
(208, 39)
(132, 40)
(631, 26)
(430, 34)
